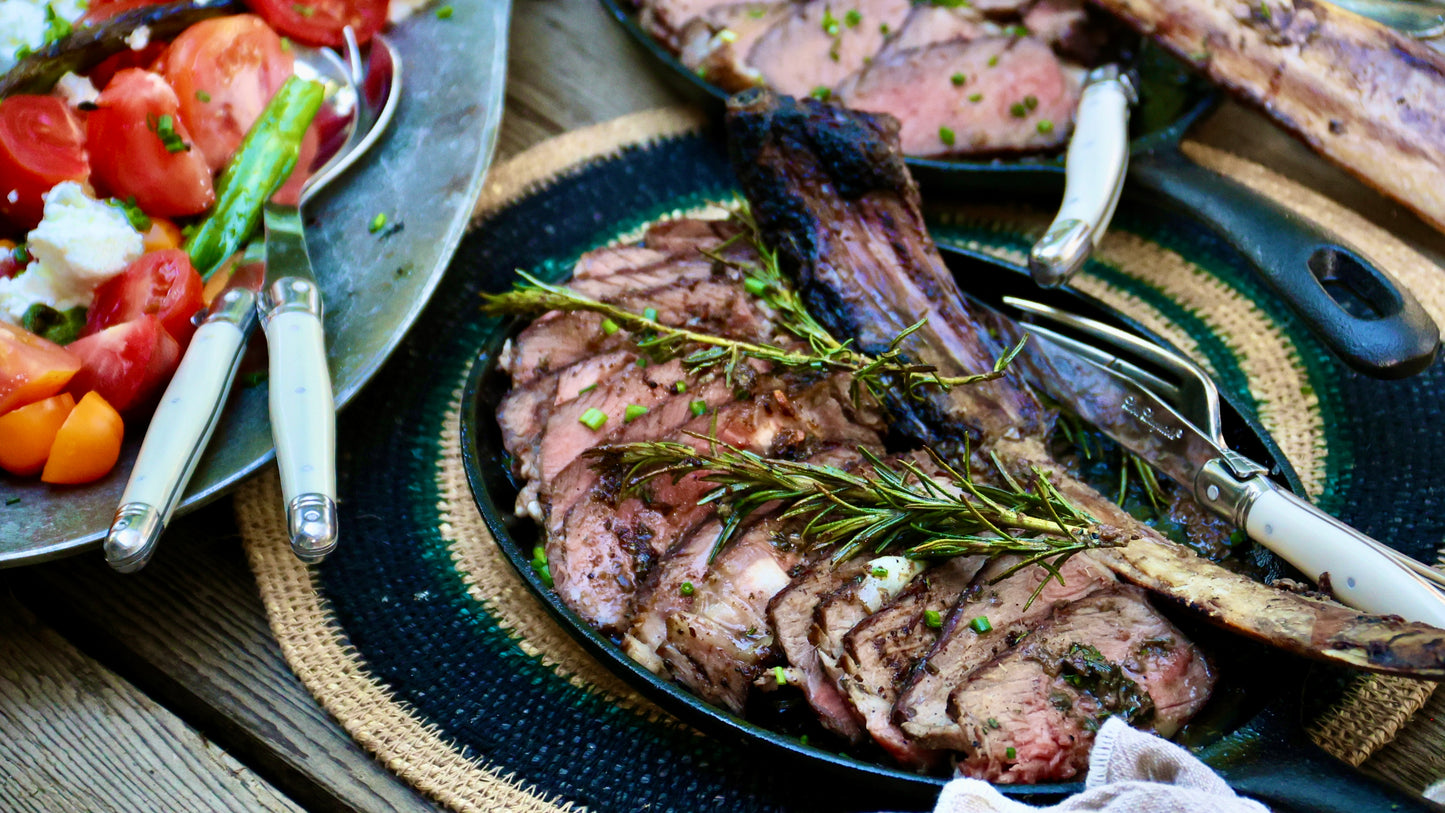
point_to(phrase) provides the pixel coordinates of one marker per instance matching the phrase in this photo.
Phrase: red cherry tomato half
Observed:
(224, 71)
(140, 148)
(320, 22)
(161, 284)
(100, 10)
(102, 73)
(126, 364)
(41, 144)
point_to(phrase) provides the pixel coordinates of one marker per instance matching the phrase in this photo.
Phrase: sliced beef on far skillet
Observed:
(814, 46)
(717, 44)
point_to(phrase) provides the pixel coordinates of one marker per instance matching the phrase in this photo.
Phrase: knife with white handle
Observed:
(1098, 158)
(180, 429)
(1353, 566)
(303, 411)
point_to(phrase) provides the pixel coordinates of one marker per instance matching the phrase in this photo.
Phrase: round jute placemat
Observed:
(419, 637)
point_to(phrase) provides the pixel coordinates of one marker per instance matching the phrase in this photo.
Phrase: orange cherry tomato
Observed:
(162, 235)
(27, 433)
(87, 445)
(31, 368)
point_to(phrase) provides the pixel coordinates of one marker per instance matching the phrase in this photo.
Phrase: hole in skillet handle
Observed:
(1353, 285)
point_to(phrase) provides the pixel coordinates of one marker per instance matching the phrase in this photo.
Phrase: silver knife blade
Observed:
(1126, 411)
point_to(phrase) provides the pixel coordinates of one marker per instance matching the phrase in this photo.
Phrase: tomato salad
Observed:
(109, 189)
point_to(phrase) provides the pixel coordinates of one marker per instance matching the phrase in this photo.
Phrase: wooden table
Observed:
(166, 691)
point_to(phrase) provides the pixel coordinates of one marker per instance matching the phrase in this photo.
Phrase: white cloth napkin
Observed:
(1129, 772)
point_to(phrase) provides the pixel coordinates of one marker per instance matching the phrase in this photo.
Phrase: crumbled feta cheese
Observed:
(886, 577)
(80, 243)
(76, 90)
(139, 38)
(22, 26)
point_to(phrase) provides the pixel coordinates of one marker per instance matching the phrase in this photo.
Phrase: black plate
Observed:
(1249, 731)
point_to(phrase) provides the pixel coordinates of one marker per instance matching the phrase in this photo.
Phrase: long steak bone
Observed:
(830, 191)
(1363, 95)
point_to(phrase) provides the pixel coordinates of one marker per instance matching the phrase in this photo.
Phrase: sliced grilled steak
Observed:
(666, 19)
(791, 615)
(880, 652)
(831, 193)
(815, 48)
(1015, 95)
(1013, 608)
(929, 24)
(1030, 714)
(716, 45)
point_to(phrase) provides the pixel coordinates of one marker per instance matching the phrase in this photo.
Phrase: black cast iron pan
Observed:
(1345, 298)
(1250, 731)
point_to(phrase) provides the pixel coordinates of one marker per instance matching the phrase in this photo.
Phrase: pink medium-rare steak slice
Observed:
(791, 614)
(1030, 714)
(666, 19)
(881, 651)
(929, 24)
(1012, 611)
(814, 48)
(1014, 95)
(716, 45)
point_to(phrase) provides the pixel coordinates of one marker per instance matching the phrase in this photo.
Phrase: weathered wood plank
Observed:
(190, 630)
(74, 736)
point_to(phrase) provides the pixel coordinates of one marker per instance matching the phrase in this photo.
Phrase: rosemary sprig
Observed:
(896, 507)
(698, 350)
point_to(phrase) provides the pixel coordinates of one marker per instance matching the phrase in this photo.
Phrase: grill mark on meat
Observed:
(1023, 699)
(881, 651)
(781, 152)
(922, 707)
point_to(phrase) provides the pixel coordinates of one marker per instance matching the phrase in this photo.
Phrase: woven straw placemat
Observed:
(420, 638)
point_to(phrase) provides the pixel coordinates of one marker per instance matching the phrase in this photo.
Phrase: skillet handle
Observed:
(1388, 336)
(1290, 774)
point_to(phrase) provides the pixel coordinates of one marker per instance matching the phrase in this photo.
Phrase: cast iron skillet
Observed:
(1374, 325)
(1250, 730)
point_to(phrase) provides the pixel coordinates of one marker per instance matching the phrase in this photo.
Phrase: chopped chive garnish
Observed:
(642, 361)
(980, 625)
(699, 408)
(822, 93)
(445, 13)
(993, 61)
(992, 723)
(958, 79)
(755, 286)
(686, 589)
(165, 129)
(304, 11)
(1016, 31)
(609, 327)
(880, 572)
(946, 136)
(852, 18)
(679, 387)
(202, 96)
(12, 500)
(884, 29)
(830, 23)
(377, 223)
(1044, 126)
(932, 618)
(1010, 753)
(1017, 110)
(975, 97)
(593, 418)
(587, 389)
(633, 412)
(1031, 101)
(780, 676)
(803, 740)
(650, 314)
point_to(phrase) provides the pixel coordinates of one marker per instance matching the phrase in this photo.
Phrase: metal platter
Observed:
(423, 175)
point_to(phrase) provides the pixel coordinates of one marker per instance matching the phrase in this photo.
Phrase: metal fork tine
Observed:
(1191, 392)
